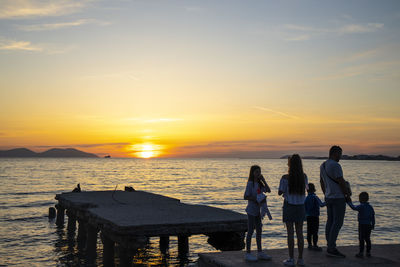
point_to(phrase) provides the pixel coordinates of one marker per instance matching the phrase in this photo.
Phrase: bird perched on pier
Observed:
(77, 188)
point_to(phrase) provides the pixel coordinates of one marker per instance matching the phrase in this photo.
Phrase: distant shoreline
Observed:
(355, 157)
(75, 153)
(51, 153)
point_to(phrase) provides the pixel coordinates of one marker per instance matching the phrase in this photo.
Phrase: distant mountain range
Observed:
(355, 157)
(51, 153)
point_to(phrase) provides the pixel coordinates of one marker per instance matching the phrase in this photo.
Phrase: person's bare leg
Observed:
(300, 238)
(290, 238)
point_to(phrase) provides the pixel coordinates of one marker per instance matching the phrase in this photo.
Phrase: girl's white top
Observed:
(253, 208)
(293, 199)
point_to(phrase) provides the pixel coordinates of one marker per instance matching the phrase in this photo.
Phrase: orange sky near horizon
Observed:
(272, 135)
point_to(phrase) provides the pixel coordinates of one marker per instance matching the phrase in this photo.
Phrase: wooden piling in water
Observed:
(82, 234)
(60, 215)
(108, 251)
(164, 244)
(125, 256)
(52, 213)
(91, 243)
(183, 246)
(71, 227)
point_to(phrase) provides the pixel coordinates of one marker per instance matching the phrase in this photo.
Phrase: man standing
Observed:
(336, 193)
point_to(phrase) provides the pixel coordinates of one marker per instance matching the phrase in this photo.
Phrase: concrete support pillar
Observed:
(108, 251)
(60, 215)
(52, 213)
(125, 256)
(183, 246)
(71, 227)
(82, 234)
(164, 244)
(225, 241)
(91, 244)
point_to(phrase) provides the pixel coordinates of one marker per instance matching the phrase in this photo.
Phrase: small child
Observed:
(366, 223)
(312, 204)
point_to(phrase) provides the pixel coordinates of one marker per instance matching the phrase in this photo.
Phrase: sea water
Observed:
(28, 187)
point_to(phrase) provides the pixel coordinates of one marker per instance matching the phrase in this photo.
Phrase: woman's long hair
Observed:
(296, 176)
(251, 175)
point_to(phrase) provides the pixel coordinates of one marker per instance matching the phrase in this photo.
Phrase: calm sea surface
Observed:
(28, 188)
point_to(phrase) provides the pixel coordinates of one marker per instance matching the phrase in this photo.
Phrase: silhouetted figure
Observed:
(77, 188)
(336, 194)
(129, 189)
(256, 182)
(366, 223)
(312, 205)
(293, 186)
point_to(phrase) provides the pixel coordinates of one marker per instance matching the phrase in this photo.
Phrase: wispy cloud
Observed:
(153, 120)
(371, 69)
(360, 28)
(117, 75)
(60, 25)
(14, 9)
(294, 32)
(302, 37)
(246, 149)
(362, 55)
(276, 112)
(13, 45)
(345, 29)
(85, 145)
(26, 46)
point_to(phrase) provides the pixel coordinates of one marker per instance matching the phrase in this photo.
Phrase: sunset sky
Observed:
(200, 78)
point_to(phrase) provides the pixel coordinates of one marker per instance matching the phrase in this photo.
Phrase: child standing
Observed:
(256, 182)
(366, 223)
(312, 205)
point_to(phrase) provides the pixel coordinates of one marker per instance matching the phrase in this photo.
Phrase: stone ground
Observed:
(382, 255)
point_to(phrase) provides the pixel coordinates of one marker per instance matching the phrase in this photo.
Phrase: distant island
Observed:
(355, 157)
(51, 153)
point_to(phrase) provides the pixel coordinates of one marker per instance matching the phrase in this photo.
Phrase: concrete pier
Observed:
(128, 219)
(382, 255)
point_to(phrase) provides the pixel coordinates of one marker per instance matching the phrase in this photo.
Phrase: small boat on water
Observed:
(107, 157)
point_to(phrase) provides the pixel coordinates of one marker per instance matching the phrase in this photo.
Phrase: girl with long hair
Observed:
(293, 186)
(255, 184)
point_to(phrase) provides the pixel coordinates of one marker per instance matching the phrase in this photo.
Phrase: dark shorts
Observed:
(293, 213)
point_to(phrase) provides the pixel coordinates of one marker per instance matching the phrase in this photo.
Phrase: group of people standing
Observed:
(297, 208)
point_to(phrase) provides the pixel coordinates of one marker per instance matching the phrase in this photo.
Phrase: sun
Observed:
(146, 154)
(146, 150)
